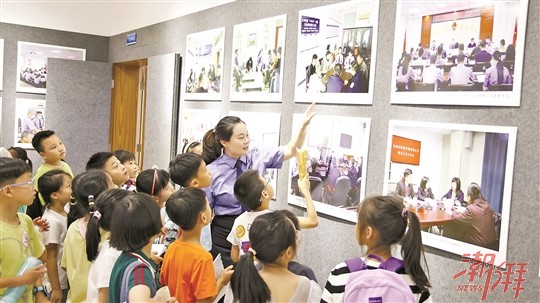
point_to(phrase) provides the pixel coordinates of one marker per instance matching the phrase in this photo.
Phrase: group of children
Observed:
(94, 233)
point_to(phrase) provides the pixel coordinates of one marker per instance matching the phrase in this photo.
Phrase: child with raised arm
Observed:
(188, 269)
(383, 222)
(16, 189)
(55, 188)
(98, 249)
(53, 151)
(255, 193)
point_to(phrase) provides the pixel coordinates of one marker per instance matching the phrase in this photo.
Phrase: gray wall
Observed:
(334, 241)
(97, 49)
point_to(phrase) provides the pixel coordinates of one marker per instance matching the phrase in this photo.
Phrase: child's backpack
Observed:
(379, 285)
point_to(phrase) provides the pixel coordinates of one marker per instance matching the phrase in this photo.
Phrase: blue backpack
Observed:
(379, 285)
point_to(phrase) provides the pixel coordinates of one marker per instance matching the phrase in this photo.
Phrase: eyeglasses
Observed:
(31, 182)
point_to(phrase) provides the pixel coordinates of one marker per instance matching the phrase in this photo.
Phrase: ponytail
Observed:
(412, 251)
(86, 187)
(211, 147)
(246, 283)
(499, 67)
(101, 219)
(35, 209)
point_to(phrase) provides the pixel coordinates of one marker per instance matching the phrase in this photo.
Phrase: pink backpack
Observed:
(379, 285)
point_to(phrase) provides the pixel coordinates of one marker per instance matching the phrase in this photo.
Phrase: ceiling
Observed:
(98, 17)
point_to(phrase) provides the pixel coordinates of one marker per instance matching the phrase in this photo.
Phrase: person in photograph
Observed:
(489, 45)
(502, 46)
(432, 74)
(460, 74)
(510, 55)
(312, 69)
(424, 190)
(335, 83)
(39, 122)
(328, 62)
(349, 59)
(191, 81)
(339, 56)
(471, 44)
(441, 56)
(497, 74)
(359, 82)
(27, 123)
(474, 224)
(405, 73)
(426, 54)
(237, 72)
(404, 188)
(26, 137)
(275, 71)
(455, 194)
(483, 55)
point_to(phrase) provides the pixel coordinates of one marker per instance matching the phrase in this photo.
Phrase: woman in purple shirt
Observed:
(405, 73)
(498, 73)
(226, 152)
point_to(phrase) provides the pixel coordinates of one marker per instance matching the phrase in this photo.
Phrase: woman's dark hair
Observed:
(101, 218)
(86, 187)
(510, 54)
(152, 181)
(98, 160)
(406, 173)
(211, 140)
(124, 155)
(50, 182)
(473, 191)
(499, 66)
(458, 184)
(270, 235)
(405, 64)
(184, 206)
(20, 153)
(387, 215)
(248, 188)
(184, 168)
(424, 182)
(11, 169)
(139, 222)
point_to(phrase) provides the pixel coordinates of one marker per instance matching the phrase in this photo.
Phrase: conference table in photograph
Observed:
(429, 218)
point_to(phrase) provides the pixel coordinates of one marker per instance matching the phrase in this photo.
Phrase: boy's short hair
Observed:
(39, 137)
(98, 160)
(184, 168)
(124, 155)
(138, 221)
(248, 189)
(184, 206)
(11, 169)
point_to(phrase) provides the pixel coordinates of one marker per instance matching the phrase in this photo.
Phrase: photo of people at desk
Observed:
(453, 179)
(337, 151)
(457, 46)
(335, 45)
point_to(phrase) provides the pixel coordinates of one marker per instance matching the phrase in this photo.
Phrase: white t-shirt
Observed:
(239, 234)
(56, 235)
(100, 271)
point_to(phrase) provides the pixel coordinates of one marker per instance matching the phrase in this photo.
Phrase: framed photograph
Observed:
(1, 63)
(461, 188)
(335, 60)
(459, 52)
(32, 64)
(262, 134)
(204, 65)
(29, 119)
(257, 60)
(194, 123)
(337, 151)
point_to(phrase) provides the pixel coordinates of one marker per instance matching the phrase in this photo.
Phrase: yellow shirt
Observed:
(18, 242)
(75, 261)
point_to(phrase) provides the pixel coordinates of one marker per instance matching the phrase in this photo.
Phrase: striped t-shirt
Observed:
(334, 289)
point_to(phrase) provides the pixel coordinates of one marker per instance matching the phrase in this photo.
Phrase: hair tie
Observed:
(404, 213)
(214, 130)
(90, 200)
(252, 251)
(96, 214)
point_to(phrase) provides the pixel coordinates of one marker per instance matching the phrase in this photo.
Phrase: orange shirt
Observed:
(188, 271)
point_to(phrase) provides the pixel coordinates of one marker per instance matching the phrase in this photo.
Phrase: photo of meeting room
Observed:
(29, 120)
(262, 134)
(193, 124)
(257, 64)
(32, 64)
(336, 53)
(459, 52)
(204, 65)
(457, 178)
(337, 150)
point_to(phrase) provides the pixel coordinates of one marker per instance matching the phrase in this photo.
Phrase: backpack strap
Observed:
(392, 264)
(355, 264)
(124, 286)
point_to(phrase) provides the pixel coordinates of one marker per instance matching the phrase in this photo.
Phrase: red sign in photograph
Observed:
(405, 150)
